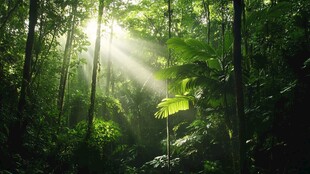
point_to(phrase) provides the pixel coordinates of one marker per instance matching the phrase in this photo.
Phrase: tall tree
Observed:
(66, 63)
(19, 127)
(206, 6)
(109, 66)
(237, 57)
(95, 69)
(28, 56)
(167, 95)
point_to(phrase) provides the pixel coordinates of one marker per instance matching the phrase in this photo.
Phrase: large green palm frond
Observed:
(200, 69)
(192, 50)
(183, 71)
(187, 77)
(184, 86)
(169, 106)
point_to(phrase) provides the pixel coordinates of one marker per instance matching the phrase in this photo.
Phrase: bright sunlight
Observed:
(106, 30)
(115, 40)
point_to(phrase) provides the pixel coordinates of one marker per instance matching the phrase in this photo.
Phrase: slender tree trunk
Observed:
(35, 74)
(223, 32)
(65, 66)
(238, 85)
(95, 70)
(245, 36)
(18, 128)
(109, 67)
(167, 94)
(206, 6)
(228, 121)
(209, 22)
(112, 81)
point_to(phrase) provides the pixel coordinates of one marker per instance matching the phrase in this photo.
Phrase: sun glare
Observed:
(106, 30)
(91, 29)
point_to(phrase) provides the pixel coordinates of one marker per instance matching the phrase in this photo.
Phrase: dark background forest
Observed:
(155, 86)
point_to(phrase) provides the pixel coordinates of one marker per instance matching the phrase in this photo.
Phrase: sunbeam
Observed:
(126, 54)
(137, 71)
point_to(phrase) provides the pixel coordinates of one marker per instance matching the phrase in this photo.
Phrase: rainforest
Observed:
(154, 87)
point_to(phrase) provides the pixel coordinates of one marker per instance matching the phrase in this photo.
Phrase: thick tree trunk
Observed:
(28, 55)
(95, 69)
(238, 86)
(18, 127)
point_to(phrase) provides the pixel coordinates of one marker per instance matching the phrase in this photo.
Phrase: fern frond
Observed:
(169, 106)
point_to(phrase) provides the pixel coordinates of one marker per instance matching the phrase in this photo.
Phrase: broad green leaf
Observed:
(169, 106)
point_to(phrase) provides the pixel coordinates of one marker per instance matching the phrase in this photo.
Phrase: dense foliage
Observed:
(49, 123)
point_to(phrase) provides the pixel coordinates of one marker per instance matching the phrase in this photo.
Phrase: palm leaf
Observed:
(215, 64)
(169, 106)
(183, 71)
(186, 85)
(191, 49)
